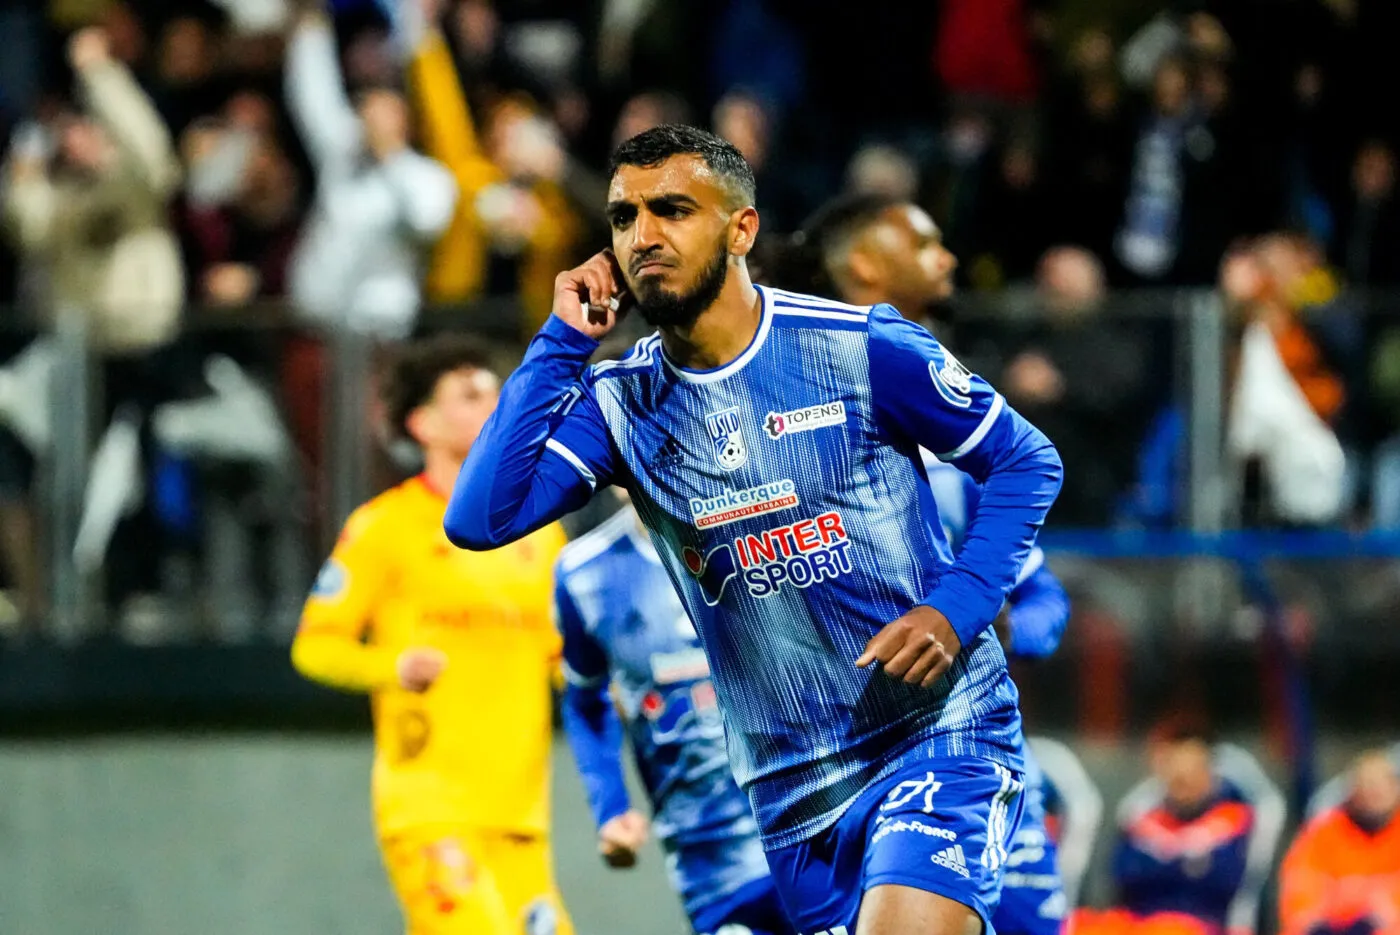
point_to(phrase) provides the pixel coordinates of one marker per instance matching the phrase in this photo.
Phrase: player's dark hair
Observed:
(653, 147)
(412, 377)
(803, 264)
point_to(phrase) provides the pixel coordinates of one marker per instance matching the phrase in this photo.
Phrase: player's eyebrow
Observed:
(672, 200)
(668, 200)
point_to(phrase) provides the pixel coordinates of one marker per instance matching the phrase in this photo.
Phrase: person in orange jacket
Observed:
(1342, 873)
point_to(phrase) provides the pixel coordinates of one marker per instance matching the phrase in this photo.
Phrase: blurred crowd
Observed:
(390, 167)
(1195, 846)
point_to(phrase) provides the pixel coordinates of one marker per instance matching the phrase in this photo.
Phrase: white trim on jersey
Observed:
(1034, 562)
(783, 296)
(765, 325)
(642, 354)
(594, 542)
(562, 451)
(979, 433)
(580, 681)
(815, 313)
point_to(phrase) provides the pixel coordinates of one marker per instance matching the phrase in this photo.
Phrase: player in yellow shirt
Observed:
(457, 651)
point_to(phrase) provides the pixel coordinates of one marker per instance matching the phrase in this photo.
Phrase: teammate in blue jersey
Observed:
(871, 249)
(770, 444)
(624, 626)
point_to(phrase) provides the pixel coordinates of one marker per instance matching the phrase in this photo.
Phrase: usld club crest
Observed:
(728, 438)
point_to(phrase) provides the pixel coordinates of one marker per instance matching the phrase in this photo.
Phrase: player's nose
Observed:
(646, 233)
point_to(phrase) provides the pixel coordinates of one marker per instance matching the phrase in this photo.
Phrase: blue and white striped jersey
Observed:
(1039, 607)
(785, 496)
(623, 625)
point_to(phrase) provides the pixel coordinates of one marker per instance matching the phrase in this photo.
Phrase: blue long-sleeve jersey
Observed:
(1038, 605)
(784, 493)
(623, 625)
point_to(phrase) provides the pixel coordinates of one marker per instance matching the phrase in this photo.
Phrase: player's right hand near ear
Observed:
(592, 297)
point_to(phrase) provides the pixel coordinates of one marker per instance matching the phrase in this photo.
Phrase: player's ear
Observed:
(418, 423)
(864, 268)
(743, 231)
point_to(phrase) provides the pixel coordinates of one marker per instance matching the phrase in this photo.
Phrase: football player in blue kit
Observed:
(872, 249)
(624, 629)
(770, 444)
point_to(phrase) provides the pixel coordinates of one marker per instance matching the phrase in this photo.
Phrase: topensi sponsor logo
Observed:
(778, 424)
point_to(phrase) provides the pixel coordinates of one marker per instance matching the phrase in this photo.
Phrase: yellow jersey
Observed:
(474, 748)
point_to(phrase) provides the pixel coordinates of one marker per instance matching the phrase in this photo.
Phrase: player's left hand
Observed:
(918, 647)
(622, 837)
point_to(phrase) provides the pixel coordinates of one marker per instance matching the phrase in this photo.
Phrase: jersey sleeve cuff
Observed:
(968, 608)
(566, 337)
(574, 461)
(984, 427)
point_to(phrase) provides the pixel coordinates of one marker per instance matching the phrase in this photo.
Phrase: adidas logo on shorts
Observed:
(951, 858)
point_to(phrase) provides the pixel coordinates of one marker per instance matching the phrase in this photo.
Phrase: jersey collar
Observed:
(427, 486)
(715, 374)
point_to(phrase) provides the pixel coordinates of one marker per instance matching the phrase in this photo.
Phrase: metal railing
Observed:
(350, 464)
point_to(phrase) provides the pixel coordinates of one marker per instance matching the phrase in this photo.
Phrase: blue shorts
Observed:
(1032, 895)
(753, 909)
(940, 825)
(725, 882)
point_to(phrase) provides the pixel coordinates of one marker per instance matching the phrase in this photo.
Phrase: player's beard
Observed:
(661, 308)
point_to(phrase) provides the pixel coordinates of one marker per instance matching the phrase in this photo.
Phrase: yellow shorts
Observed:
(454, 880)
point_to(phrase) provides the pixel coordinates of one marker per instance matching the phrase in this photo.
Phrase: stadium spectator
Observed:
(1368, 247)
(1177, 866)
(1087, 380)
(750, 123)
(757, 51)
(378, 205)
(534, 222)
(239, 214)
(1012, 186)
(646, 110)
(187, 57)
(1367, 244)
(94, 216)
(1342, 873)
(95, 213)
(651, 44)
(1286, 396)
(458, 267)
(883, 169)
(983, 52)
(518, 216)
(1148, 241)
(1088, 142)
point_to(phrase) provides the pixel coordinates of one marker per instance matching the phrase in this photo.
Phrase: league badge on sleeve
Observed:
(728, 438)
(953, 381)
